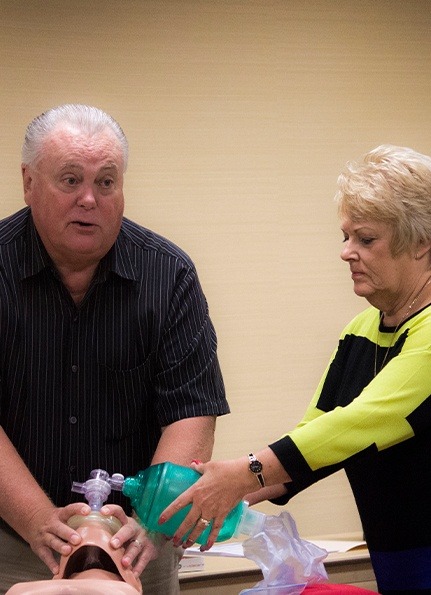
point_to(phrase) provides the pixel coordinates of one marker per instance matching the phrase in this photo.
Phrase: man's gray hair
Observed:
(85, 118)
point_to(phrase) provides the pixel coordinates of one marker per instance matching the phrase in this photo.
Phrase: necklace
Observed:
(409, 309)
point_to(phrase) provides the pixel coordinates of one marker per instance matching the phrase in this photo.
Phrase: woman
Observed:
(371, 413)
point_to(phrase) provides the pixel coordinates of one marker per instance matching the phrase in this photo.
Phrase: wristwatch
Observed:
(256, 467)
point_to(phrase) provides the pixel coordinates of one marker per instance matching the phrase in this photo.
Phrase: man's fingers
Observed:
(45, 554)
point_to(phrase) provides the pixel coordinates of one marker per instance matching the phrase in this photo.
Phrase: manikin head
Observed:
(93, 567)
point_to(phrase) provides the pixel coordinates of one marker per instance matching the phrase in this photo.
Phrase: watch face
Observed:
(256, 466)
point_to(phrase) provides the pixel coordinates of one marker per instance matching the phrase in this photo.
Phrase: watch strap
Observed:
(256, 467)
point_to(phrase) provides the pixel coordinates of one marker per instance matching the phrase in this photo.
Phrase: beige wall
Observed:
(240, 115)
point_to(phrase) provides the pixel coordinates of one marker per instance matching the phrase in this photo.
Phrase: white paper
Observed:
(235, 549)
(231, 550)
(342, 546)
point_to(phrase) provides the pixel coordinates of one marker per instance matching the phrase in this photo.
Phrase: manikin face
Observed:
(113, 579)
(75, 192)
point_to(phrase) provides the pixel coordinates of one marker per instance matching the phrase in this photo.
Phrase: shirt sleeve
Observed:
(391, 408)
(188, 380)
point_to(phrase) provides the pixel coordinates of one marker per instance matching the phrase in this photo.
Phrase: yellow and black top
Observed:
(378, 428)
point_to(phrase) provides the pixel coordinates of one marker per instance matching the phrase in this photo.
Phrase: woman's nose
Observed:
(347, 253)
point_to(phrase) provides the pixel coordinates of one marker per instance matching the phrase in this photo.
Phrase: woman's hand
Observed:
(222, 485)
(139, 548)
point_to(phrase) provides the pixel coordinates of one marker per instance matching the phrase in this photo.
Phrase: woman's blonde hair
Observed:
(392, 185)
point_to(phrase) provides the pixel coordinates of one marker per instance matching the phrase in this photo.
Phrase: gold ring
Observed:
(205, 522)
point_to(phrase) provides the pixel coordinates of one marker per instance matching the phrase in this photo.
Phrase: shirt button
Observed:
(73, 419)
(74, 368)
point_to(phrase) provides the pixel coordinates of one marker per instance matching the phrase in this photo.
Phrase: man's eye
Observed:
(106, 183)
(70, 181)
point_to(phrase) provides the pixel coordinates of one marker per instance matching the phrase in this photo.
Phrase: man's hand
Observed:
(48, 532)
(139, 548)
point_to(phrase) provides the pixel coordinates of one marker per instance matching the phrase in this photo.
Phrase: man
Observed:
(108, 355)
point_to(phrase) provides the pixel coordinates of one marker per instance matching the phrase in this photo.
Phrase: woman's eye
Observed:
(367, 241)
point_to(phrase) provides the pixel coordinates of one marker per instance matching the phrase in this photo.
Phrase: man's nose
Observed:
(87, 197)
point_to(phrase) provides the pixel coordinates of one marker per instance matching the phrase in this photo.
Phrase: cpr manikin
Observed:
(92, 568)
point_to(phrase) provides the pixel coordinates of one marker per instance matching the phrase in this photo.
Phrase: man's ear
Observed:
(27, 181)
(422, 249)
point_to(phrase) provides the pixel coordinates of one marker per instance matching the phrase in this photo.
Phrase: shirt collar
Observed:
(36, 258)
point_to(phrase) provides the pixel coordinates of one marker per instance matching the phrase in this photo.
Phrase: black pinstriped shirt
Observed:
(91, 386)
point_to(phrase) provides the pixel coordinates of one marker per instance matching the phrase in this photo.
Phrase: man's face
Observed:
(75, 192)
